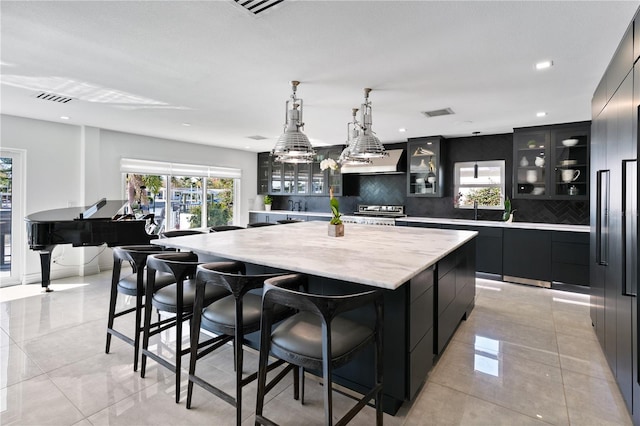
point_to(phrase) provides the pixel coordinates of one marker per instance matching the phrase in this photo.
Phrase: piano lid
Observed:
(107, 211)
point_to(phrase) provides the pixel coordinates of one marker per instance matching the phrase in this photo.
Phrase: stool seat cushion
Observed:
(129, 285)
(166, 298)
(302, 334)
(222, 313)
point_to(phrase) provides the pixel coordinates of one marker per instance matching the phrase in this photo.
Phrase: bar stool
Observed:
(222, 228)
(131, 285)
(179, 233)
(285, 221)
(318, 338)
(175, 298)
(230, 318)
(259, 224)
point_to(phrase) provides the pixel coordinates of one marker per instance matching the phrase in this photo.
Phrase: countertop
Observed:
(466, 222)
(384, 257)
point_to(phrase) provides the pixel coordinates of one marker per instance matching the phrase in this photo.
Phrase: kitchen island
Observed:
(428, 276)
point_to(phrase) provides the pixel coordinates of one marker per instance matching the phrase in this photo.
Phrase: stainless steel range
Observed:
(375, 215)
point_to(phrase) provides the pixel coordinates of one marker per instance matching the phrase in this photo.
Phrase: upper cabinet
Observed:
(277, 178)
(552, 162)
(425, 167)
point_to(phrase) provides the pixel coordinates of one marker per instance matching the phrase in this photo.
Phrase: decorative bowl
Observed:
(570, 142)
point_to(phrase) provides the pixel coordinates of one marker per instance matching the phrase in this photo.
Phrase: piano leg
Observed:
(45, 267)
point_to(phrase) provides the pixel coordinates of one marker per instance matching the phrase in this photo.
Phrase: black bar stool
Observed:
(259, 224)
(131, 285)
(175, 298)
(285, 221)
(318, 338)
(179, 233)
(230, 318)
(222, 228)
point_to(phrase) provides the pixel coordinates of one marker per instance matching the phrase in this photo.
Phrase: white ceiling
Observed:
(147, 67)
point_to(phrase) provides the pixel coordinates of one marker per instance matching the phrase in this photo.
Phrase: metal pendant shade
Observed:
(353, 131)
(366, 144)
(293, 146)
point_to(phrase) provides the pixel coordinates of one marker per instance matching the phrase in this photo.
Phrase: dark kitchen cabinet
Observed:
(455, 292)
(552, 162)
(527, 256)
(570, 163)
(426, 167)
(264, 172)
(276, 178)
(613, 211)
(570, 258)
(488, 247)
(488, 244)
(530, 168)
(421, 329)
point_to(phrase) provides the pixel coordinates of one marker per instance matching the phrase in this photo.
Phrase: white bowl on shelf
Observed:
(570, 142)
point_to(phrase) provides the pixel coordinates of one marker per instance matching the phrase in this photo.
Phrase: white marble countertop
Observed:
(379, 256)
(494, 223)
(293, 212)
(498, 224)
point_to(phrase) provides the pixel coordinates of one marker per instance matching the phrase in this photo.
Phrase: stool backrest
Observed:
(222, 228)
(259, 224)
(223, 274)
(280, 290)
(180, 264)
(179, 233)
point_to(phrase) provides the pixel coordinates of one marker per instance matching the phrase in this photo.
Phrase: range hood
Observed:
(390, 164)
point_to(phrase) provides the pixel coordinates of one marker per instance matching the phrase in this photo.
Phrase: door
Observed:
(12, 239)
(623, 206)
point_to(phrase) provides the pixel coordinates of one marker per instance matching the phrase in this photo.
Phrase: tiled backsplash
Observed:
(391, 189)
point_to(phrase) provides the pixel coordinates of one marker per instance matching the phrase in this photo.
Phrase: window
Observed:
(181, 196)
(481, 182)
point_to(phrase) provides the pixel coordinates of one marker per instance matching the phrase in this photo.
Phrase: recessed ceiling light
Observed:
(402, 130)
(541, 114)
(186, 124)
(64, 117)
(544, 65)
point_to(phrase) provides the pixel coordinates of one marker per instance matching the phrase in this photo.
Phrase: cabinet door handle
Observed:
(629, 227)
(602, 217)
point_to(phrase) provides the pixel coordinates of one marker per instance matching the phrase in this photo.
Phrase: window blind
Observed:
(132, 165)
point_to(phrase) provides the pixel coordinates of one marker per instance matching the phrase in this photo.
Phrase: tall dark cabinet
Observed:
(614, 218)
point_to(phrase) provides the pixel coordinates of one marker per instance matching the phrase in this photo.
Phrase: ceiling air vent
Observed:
(258, 6)
(257, 137)
(53, 97)
(438, 112)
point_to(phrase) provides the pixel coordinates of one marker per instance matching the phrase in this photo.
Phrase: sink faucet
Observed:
(475, 210)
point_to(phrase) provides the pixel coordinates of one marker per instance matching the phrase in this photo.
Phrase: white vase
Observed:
(267, 207)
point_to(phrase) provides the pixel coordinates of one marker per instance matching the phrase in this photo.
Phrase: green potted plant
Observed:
(336, 227)
(267, 203)
(507, 216)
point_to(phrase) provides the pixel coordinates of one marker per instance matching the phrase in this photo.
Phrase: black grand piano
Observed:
(100, 223)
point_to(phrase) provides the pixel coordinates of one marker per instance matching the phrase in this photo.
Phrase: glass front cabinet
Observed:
(551, 162)
(425, 167)
(277, 178)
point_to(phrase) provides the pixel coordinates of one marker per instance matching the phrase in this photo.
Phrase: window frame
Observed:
(169, 170)
(458, 166)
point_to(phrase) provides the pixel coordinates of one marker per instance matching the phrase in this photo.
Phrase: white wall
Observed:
(69, 165)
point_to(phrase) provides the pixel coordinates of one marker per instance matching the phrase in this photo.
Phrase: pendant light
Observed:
(293, 146)
(366, 144)
(353, 130)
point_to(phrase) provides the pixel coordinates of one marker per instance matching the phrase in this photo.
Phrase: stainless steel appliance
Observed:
(375, 215)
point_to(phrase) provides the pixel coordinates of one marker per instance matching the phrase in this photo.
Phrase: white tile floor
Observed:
(525, 356)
